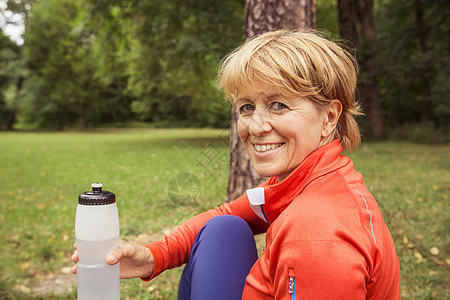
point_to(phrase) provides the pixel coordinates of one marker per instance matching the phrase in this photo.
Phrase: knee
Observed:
(228, 225)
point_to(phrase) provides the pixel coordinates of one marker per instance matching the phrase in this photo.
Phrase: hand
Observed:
(135, 260)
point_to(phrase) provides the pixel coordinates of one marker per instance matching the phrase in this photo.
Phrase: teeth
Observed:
(264, 148)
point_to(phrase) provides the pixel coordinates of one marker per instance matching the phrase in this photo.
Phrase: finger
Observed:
(74, 269)
(75, 245)
(75, 256)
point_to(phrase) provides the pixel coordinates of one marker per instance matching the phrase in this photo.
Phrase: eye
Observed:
(246, 109)
(278, 106)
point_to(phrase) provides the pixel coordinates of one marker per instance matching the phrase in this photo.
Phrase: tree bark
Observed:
(269, 15)
(350, 13)
(262, 16)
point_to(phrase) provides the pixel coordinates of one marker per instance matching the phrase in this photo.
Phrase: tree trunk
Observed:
(369, 83)
(82, 118)
(12, 119)
(361, 11)
(265, 15)
(262, 16)
(13, 116)
(425, 74)
(347, 21)
(83, 107)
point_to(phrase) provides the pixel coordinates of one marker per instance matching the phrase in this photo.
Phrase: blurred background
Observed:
(87, 63)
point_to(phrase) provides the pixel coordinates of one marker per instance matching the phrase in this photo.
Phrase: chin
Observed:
(266, 173)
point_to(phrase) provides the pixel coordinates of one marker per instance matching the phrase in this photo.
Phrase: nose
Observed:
(260, 122)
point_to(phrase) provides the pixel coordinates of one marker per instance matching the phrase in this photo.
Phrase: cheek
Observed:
(304, 138)
(242, 129)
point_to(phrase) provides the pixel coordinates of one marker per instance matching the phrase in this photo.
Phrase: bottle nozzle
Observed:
(96, 187)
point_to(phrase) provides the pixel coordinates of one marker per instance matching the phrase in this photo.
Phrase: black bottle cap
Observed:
(96, 196)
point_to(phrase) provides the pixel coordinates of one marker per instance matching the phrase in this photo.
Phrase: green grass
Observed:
(41, 175)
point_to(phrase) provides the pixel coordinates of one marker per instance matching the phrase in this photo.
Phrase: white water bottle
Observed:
(96, 235)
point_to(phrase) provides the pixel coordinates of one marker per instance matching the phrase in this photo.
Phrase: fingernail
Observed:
(111, 258)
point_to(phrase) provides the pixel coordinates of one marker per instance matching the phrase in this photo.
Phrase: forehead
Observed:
(257, 88)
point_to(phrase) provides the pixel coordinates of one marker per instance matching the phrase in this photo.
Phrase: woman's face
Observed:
(278, 133)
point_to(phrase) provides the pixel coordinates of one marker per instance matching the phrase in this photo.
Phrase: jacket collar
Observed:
(271, 198)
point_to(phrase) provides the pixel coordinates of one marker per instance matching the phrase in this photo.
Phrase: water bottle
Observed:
(96, 235)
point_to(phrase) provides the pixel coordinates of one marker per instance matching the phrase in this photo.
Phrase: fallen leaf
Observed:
(14, 237)
(440, 263)
(419, 257)
(410, 245)
(405, 291)
(25, 265)
(405, 240)
(435, 187)
(23, 288)
(420, 199)
(447, 260)
(434, 251)
(434, 273)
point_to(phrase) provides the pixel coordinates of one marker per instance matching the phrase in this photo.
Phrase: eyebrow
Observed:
(270, 97)
(273, 96)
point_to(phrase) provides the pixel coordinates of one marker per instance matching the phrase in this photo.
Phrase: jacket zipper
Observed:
(291, 286)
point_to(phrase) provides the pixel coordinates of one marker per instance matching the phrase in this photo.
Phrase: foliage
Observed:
(405, 62)
(90, 62)
(12, 71)
(326, 16)
(39, 199)
(58, 49)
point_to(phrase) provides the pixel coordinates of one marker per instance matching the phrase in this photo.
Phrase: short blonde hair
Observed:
(299, 63)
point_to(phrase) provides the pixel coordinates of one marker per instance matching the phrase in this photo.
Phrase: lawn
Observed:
(41, 175)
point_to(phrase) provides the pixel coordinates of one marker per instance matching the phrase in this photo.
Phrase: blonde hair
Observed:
(300, 63)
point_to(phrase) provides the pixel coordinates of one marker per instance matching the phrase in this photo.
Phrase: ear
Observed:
(332, 114)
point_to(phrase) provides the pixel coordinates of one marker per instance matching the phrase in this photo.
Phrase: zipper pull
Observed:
(291, 284)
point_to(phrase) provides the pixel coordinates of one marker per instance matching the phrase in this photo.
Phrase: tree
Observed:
(262, 16)
(50, 49)
(414, 72)
(360, 12)
(13, 71)
(167, 53)
(425, 74)
(59, 49)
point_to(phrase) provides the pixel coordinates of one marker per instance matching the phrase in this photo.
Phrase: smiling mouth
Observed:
(267, 147)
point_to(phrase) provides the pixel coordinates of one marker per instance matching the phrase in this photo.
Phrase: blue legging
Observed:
(222, 255)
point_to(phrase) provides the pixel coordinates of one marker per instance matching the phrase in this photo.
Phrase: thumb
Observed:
(111, 258)
(118, 254)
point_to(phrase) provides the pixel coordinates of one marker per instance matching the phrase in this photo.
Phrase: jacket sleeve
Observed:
(174, 249)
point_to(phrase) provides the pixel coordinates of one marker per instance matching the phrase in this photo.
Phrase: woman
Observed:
(325, 235)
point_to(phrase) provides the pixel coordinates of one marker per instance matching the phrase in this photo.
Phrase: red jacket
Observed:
(326, 237)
